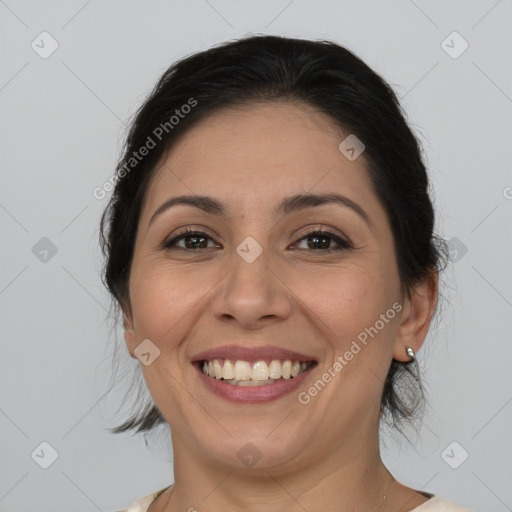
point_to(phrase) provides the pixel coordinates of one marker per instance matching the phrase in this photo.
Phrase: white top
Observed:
(434, 504)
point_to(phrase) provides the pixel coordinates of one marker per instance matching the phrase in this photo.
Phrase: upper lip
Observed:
(253, 354)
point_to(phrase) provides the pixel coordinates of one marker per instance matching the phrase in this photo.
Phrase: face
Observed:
(260, 277)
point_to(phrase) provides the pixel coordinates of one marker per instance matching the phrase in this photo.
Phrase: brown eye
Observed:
(192, 240)
(320, 241)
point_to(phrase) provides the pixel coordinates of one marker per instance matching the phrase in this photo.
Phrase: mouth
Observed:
(258, 373)
(243, 375)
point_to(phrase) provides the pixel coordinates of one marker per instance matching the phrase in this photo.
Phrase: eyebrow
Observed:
(289, 205)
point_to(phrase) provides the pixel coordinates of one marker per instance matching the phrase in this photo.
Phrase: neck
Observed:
(349, 477)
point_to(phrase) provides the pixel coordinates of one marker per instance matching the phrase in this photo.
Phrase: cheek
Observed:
(162, 298)
(159, 298)
(342, 301)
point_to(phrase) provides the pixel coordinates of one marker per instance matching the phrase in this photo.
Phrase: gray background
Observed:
(62, 124)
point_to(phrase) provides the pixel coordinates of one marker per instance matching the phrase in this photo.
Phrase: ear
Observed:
(129, 333)
(416, 316)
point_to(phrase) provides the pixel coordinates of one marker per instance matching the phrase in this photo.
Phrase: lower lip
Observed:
(252, 394)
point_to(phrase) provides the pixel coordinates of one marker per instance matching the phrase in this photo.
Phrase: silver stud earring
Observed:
(410, 352)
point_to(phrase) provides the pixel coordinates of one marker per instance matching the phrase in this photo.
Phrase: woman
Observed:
(270, 245)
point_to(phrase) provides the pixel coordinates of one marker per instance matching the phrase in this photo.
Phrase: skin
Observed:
(319, 456)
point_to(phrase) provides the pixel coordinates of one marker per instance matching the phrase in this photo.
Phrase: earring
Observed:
(410, 352)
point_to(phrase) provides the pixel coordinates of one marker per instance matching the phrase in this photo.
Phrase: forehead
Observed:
(252, 155)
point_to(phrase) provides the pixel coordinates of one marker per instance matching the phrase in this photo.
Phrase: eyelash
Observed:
(343, 244)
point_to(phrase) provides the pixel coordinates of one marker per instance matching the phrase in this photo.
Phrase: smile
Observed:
(258, 373)
(251, 375)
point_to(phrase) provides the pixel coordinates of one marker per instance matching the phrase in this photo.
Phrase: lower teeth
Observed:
(250, 383)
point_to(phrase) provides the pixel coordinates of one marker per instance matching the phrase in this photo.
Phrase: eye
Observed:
(190, 240)
(320, 241)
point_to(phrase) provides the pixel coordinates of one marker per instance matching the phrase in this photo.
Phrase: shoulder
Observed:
(437, 504)
(142, 504)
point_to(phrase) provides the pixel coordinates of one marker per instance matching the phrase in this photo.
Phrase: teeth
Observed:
(218, 369)
(252, 383)
(242, 370)
(274, 370)
(228, 370)
(286, 369)
(259, 371)
(242, 373)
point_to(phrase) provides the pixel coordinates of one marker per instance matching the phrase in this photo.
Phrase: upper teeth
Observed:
(259, 371)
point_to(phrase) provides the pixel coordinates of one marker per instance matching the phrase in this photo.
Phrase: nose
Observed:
(252, 295)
